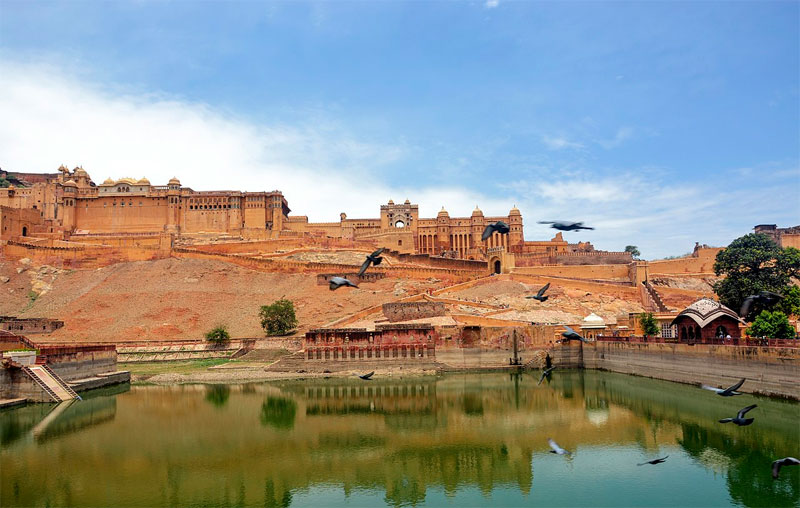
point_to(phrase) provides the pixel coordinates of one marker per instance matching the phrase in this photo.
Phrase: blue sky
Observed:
(661, 124)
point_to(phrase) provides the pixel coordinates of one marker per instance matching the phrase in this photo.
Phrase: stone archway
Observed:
(495, 265)
(24, 230)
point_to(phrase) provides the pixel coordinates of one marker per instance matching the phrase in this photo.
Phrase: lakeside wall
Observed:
(769, 371)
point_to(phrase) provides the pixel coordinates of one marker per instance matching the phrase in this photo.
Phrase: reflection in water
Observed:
(474, 439)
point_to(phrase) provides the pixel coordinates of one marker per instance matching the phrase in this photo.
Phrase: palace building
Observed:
(68, 203)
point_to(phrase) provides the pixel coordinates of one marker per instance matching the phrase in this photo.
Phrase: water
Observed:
(457, 440)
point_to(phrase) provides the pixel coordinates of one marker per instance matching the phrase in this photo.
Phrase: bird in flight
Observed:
(571, 334)
(374, 259)
(565, 226)
(499, 227)
(545, 374)
(654, 461)
(540, 295)
(337, 282)
(740, 420)
(367, 377)
(557, 449)
(727, 392)
(778, 464)
(766, 298)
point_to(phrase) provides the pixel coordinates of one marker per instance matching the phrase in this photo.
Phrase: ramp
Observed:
(51, 383)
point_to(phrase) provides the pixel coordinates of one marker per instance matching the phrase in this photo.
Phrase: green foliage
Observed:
(278, 318)
(218, 395)
(751, 264)
(218, 334)
(634, 250)
(32, 296)
(772, 325)
(278, 412)
(4, 182)
(790, 305)
(649, 323)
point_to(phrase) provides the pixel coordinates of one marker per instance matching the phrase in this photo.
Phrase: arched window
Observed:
(721, 332)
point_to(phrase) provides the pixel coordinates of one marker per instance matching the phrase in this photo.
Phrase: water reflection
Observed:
(403, 442)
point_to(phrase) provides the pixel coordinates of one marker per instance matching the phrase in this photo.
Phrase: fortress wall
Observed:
(615, 271)
(119, 240)
(102, 215)
(405, 311)
(594, 257)
(618, 291)
(71, 363)
(82, 256)
(770, 371)
(221, 220)
(701, 261)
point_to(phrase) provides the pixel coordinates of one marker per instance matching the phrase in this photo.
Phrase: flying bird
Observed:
(565, 226)
(337, 282)
(571, 334)
(740, 420)
(765, 297)
(374, 258)
(545, 374)
(540, 295)
(778, 464)
(654, 461)
(727, 392)
(499, 227)
(557, 449)
(367, 377)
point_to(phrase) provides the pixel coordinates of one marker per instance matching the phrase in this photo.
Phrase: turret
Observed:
(173, 204)
(68, 199)
(515, 234)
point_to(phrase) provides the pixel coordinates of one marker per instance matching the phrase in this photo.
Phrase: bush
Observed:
(278, 318)
(218, 334)
(772, 325)
(649, 324)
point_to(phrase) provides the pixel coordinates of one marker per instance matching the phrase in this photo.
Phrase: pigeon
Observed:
(337, 282)
(654, 461)
(778, 464)
(499, 227)
(374, 258)
(367, 377)
(740, 420)
(545, 374)
(557, 449)
(571, 334)
(565, 226)
(540, 295)
(765, 297)
(727, 392)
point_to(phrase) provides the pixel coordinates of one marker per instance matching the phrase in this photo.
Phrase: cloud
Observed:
(491, 4)
(559, 143)
(622, 135)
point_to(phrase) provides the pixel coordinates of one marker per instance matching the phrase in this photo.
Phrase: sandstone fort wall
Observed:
(405, 311)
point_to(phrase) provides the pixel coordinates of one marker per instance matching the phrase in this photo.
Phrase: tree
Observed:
(751, 264)
(649, 324)
(218, 334)
(790, 305)
(773, 325)
(278, 318)
(634, 250)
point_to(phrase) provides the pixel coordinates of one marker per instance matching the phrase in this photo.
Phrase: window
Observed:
(667, 331)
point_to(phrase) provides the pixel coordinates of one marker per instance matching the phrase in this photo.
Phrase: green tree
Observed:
(278, 318)
(649, 324)
(634, 250)
(790, 305)
(772, 325)
(218, 334)
(751, 264)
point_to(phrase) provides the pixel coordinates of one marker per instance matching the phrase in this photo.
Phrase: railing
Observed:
(743, 342)
(61, 382)
(41, 384)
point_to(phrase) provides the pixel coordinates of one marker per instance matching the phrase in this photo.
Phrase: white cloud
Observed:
(622, 135)
(491, 4)
(559, 143)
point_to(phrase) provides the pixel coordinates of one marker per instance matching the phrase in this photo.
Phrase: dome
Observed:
(108, 181)
(593, 321)
(514, 211)
(443, 213)
(144, 181)
(79, 171)
(477, 212)
(391, 202)
(706, 310)
(174, 181)
(407, 202)
(70, 183)
(128, 180)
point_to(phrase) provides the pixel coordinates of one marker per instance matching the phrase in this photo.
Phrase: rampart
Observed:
(618, 272)
(700, 261)
(79, 361)
(405, 311)
(324, 278)
(29, 326)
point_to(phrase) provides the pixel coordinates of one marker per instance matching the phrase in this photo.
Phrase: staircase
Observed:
(50, 382)
(655, 298)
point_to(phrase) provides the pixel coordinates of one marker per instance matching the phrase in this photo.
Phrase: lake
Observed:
(453, 440)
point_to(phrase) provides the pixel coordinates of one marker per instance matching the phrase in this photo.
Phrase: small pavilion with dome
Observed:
(706, 320)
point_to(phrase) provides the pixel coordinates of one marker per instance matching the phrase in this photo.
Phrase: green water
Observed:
(457, 440)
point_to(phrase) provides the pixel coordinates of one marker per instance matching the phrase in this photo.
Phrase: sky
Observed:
(660, 124)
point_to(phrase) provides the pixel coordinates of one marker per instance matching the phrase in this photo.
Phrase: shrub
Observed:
(772, 325)
(278, 318)
(218, 334)
(649, 323)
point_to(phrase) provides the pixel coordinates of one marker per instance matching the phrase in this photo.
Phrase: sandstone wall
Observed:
(611, 271)
(405, 311)
(78, 363)
(701, 261)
